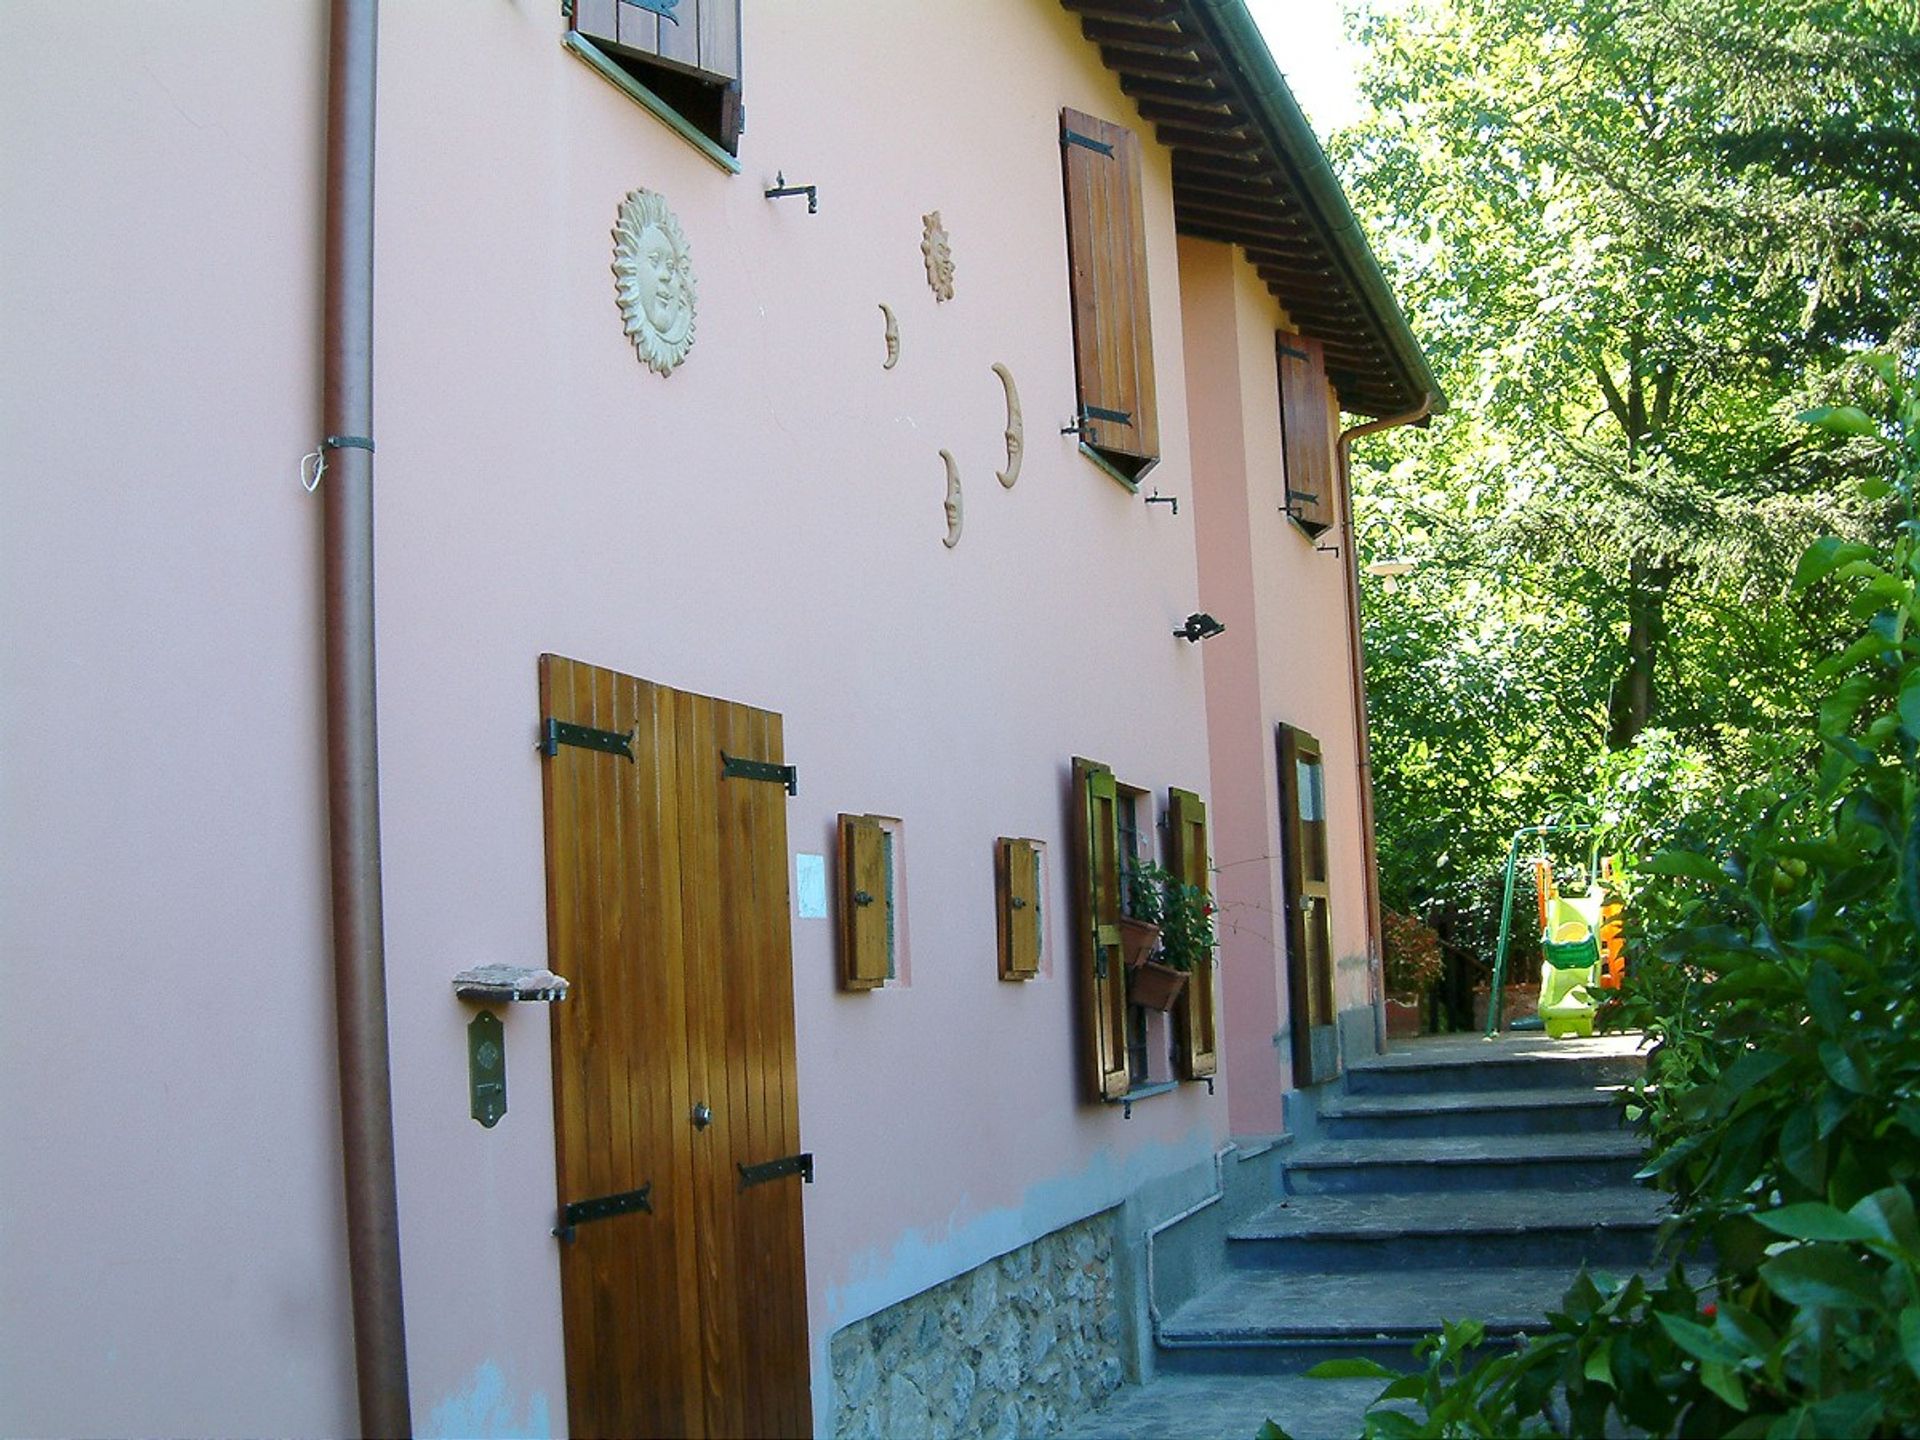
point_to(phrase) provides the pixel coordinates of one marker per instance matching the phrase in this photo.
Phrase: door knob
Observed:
(702, 1116)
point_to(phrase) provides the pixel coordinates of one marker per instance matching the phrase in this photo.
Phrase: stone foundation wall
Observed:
(1021, 1346)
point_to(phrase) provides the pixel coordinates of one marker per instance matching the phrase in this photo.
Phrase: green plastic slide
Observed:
(1570, 974)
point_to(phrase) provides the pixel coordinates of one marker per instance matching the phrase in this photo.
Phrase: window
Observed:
(1122, 1039)
(1303, 844)
(1306, 432)
(1107, 273)
(872, 938)
(679, 58)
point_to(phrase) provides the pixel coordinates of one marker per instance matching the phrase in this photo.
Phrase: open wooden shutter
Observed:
(1303, 842)
(1193, 1014)
(687, 52)
(1017, 883)
(1103, 990)
(865, 899)
(1112, 330)
(1306, 430)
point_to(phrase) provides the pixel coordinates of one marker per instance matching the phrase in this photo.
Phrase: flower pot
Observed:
(1156, 986)
(1137, 939)
(1403, 1018)
(1521, 1002)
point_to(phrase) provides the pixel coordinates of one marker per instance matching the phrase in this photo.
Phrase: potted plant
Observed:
(1142, 905)
(1186, 938)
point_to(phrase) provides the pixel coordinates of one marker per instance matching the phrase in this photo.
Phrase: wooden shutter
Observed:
(1107, 266)
(1193, 1014)
(1303, 844)
(1306, 431)
(689, 55)
(1016, 873)
(866, 898)
(1103, 988)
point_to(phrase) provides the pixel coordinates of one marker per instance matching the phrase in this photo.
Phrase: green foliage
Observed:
(1783, 1095)
(1183, 912)
(1636, 236)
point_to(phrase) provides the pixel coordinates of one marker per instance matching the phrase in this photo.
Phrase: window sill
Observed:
(1142, 1092)
(597, 59)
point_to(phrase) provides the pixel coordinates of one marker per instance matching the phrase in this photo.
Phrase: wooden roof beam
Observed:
(1226, 234)
(1141, 62)
(1188, 112)
(1122, 10)
(1162, 39)
(1199, 90)
(1242, 210)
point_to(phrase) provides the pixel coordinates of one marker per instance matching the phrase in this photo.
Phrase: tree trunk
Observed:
(1630, 707)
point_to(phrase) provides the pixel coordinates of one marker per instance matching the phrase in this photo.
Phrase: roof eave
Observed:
(1237, 38)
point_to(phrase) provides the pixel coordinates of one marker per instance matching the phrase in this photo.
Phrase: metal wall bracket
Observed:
(781, 188)
(732, 767)
(582, 1212)
(1158, 499)
(555, 733)
(801, 1165)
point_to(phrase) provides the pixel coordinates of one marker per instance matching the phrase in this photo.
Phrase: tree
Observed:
(1636, 236)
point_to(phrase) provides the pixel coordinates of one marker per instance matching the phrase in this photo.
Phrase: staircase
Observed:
(1451, 1179)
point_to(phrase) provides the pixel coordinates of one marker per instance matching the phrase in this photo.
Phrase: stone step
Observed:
(1482, 1162)
(1613, 1226)
(1275, 1322)
(1507, 1067)
(1207, 1407)
(1530, 1111)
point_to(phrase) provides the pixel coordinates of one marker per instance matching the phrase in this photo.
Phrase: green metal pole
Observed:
(1498, 993)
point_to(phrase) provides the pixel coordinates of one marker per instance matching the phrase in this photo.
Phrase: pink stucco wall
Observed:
(1284, 658)
(763, 525)
(169, 1174)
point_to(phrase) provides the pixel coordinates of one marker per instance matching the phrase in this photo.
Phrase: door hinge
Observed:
(580, 1212)
(801, 1165)
(1082, 425)
(1074, 137)
(555, 733)
(732, 767)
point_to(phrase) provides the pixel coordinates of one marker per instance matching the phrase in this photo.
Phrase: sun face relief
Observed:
(653, 278)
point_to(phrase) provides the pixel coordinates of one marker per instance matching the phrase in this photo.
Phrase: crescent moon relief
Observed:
(1016, 430)
(955, 517)
(893, 337)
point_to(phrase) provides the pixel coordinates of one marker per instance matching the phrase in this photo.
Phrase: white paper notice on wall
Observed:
(810, 885)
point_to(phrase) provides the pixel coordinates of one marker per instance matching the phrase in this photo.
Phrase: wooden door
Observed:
(683, 1276)
(1303, 846)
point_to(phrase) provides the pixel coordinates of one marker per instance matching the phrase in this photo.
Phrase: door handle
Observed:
(702, 1115)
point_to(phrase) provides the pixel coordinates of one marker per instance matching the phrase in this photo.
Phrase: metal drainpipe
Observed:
(353, 799)
(1356, 657)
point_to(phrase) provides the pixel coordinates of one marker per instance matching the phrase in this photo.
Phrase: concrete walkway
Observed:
(1231, 1407)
